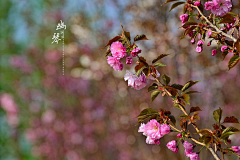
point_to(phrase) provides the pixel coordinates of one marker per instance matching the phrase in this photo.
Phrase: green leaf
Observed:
(175, 5)
(186, 98)
(233, 61)
(231, 13)
(188, 85)
(166, 79)
(190, 92)
(217, 115)
(154, 95)
(159, 64)
(176, 106)
(147, 113)
(152, 87)
(231, 119)
(194, 109)
(159, 57)
(184, 8)
(177, 86)
(228, 131)
(172, 119)
(140, 37)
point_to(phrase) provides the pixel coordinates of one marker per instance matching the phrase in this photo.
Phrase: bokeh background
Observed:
(89, 113)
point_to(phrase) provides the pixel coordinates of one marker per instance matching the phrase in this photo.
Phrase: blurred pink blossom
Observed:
(118, 50)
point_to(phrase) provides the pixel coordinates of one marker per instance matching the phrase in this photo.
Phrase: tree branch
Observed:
(213, 26)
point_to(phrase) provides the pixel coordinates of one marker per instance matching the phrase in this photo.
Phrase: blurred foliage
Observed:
(89, 112)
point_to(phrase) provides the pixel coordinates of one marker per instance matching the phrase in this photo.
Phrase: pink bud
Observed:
(129, 60)
(199, 49)
(223, 48)
(214, 52)
(197, 3)
(193, 41)
(179, 135)
(184, 18)
(209, 32)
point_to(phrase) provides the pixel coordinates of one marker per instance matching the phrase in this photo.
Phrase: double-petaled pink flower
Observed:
(154, 131)
(118, 50)
(172, 145)
(221, 7)
(115, 63)
(135, 81)
(184, 18)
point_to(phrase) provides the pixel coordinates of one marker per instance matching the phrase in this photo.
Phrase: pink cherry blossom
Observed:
(142, 129)
(153, 129)
(197, 3)
(184, 18)
(118, 50)
(129, 60)
(209, 32)
(115, 63)
(135, 52)
(172, 145)
(193, 41)
(221, 7)
(188, 146)
(165, 129)
(208, 5)
(199, 49)
(214, 52)
(235, 148)
(194, 156)
(135, 81)
(179, 135)
(223, 48)
(200, 43)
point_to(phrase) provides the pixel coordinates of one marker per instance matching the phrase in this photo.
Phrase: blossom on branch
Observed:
(135, 81)
(172, 145)
(115, 63)
(135, 52)
(118, 50)
(221, 7)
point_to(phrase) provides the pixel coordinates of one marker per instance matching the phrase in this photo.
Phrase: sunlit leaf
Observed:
(175, 5)
(166, 79)
(217, 115)
(186, 98)
(154, 95)
(159, 64)
(152, 87)
(233, 61)
(188, 85)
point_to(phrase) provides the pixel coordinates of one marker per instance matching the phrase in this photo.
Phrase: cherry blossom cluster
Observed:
(119, 51)
(154, 131)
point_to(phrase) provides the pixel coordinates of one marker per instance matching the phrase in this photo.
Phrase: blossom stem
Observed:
(213, 26)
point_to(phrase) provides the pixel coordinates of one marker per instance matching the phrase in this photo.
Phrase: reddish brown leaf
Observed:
(113, 40)
(140, 37)
(231, 119)
(139, 66)
(194, 109)
(237, 45)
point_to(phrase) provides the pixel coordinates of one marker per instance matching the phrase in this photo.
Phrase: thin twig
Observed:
(213, 26)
